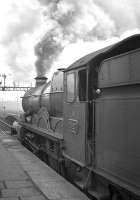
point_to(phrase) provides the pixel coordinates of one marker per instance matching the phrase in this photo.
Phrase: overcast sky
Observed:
(61, 31)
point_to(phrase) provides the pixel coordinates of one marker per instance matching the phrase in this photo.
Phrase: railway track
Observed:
(4, 127)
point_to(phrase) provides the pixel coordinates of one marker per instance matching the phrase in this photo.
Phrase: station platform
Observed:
(23, 176)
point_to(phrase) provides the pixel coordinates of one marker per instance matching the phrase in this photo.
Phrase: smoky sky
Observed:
(90, 21)
(21, 22)
(38, 31)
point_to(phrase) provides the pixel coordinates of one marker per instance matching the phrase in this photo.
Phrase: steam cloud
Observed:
(69, 21)
(47, 51)
(62, 25)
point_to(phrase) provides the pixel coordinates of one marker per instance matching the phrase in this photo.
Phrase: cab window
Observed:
(70, 87)
(82, 74)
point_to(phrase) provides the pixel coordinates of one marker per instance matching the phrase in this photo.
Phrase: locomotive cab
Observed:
(76, 114)
(100, 89)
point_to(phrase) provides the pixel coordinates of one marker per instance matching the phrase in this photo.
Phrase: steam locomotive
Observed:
(85, 122)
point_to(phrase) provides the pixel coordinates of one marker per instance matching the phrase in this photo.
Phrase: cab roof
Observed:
(126, 45)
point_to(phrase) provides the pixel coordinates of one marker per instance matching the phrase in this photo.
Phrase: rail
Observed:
(6, 124)
(5, 128)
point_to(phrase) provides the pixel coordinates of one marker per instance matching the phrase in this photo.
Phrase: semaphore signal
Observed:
(3, 86)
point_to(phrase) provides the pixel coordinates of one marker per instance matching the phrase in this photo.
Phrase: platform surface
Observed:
(15, 183)
(23, 176)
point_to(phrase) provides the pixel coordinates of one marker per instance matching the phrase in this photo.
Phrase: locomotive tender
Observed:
(85, 122)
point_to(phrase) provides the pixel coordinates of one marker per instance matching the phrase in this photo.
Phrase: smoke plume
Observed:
(54, 33)
(71, 21)
(47, 50)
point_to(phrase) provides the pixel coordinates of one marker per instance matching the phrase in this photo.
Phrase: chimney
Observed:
(40, 80)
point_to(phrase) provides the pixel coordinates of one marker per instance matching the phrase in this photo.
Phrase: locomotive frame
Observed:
(70, 121)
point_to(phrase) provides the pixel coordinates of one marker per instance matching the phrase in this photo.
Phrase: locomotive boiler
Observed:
(85, 122)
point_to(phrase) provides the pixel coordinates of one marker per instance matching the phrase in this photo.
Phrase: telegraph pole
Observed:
(4, 78)
(4, 81)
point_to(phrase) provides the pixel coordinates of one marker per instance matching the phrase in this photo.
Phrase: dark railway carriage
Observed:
(87, 126)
